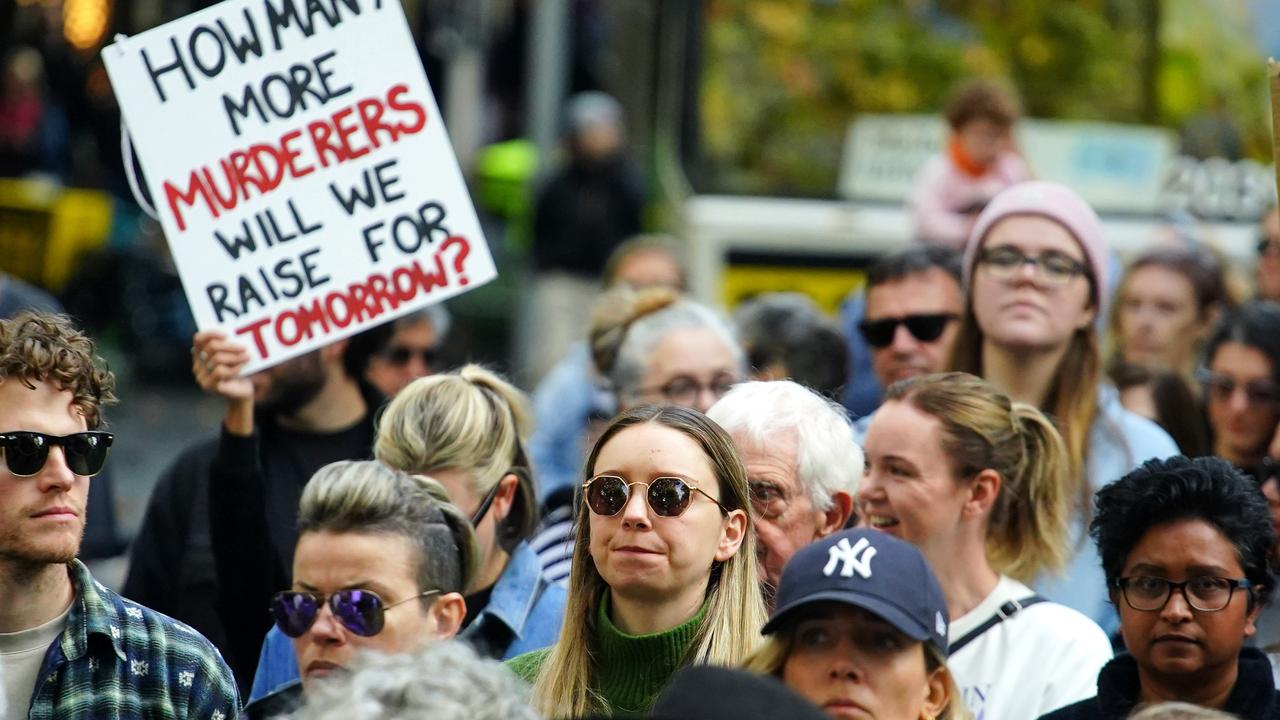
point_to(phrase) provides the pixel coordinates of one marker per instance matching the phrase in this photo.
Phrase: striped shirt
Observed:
(118, 660)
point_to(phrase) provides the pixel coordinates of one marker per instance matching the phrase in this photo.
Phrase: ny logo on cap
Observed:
(850, 558)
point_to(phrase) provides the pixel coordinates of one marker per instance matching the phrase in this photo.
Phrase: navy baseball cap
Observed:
(870, 570)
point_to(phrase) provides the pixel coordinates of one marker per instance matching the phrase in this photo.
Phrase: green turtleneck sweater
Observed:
(630, 670)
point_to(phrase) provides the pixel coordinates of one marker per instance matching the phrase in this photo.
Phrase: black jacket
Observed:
(583, 213)
(218, 575)
(1254, 696)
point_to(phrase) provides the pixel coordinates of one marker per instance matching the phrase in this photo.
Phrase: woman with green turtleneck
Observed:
(664, 568)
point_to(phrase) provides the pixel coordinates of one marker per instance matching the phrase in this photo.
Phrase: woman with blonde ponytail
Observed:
(664, 567)
(983, 486)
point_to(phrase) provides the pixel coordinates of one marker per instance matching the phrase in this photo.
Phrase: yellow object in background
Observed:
(45, 228)
(827, 286)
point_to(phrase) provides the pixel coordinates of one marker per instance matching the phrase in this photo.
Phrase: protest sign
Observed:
(300, 169)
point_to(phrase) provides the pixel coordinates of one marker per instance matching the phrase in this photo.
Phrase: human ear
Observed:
(834, 518)
(936, 694)
(447, 612)
(1250, 628)
(505, 497)
(732, 535)
(984, 489)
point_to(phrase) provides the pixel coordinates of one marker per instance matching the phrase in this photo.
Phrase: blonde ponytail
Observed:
(982, 429)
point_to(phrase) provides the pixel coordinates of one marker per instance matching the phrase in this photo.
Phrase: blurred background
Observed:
(775, 139)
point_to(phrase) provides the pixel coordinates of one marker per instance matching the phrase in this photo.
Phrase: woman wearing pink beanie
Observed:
(1035, 270)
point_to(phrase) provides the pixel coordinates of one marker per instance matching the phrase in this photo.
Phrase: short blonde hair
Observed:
(469, 420)
(368, 497)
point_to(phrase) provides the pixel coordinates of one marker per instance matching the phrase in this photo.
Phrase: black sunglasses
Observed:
(360, 611)
(925, 328)
(25, 452)
(667, 496)
(400, 355)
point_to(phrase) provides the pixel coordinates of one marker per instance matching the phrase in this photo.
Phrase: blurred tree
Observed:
(782, 79)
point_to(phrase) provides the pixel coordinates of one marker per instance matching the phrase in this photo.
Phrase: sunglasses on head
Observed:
(25, 452)
(925, 328)
(667, 496)
(360, 611)
(400, 355)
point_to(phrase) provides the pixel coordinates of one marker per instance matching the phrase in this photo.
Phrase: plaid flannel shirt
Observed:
(118, 660)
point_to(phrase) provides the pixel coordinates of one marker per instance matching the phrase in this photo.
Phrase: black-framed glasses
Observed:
(667, 496)
(684, 390)
(1206, 594)
(400, 355)
(1054, 268)
(362, 612)
(26, 452)
(1265, 244)
(1219, 387)
(925, 327)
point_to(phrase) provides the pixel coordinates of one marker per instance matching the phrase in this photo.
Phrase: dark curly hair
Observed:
(1179, 488)
(40, 347)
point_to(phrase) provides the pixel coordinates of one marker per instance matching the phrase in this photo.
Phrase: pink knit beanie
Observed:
(1058, 203)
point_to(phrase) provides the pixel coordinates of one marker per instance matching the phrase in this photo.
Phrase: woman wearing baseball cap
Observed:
(1036, 275)
(860, 630)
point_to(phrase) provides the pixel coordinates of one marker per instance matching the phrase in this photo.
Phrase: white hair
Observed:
(444, 681)
(646, 332)
(1178, 711)
(828, 459)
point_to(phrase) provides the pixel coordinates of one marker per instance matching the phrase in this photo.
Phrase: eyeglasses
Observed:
(400, 355)
(360, 611)
(684, 390)
(925, 328)
(1220, 388)
(25, 452)
(1206, 594)
(667, 496)
(1054, 268)
(1265, 244)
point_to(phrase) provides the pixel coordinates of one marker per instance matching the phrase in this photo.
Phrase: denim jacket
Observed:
(522, 601)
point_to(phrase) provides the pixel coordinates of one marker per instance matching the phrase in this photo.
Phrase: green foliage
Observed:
(782, 79)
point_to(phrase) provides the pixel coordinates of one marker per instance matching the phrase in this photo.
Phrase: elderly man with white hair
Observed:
(802, 462)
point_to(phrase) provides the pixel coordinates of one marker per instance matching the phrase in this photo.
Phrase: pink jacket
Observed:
(943, 192)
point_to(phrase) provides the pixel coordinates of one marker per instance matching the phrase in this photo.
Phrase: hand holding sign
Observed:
(303, 177)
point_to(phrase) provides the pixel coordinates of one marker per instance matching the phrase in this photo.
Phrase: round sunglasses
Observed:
(362, 612)
(26, 452)
(667, 496)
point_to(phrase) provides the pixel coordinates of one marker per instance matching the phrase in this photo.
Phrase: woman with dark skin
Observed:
(1184, 545)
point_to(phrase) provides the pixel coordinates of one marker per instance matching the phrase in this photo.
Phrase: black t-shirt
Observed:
(475, 604)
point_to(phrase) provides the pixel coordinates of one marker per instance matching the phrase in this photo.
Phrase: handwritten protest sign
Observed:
(300, 169)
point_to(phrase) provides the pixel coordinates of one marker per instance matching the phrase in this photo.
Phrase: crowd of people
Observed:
(1016, 479)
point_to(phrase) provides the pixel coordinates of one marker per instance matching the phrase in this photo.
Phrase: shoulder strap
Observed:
(1004, 612)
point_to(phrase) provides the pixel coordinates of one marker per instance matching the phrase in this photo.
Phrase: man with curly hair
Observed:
(70, 648)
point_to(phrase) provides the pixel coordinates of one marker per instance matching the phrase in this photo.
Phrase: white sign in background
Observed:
(300, 168)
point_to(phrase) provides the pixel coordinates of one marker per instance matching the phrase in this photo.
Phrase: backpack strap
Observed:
(1004, 612)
